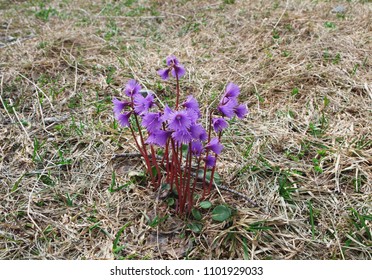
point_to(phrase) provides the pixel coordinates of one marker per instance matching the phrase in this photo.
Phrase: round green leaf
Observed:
(221, 213)
(196, 214)
(195, 227)
(205, 204)
(170, 201)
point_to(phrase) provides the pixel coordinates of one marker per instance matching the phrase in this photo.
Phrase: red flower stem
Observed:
(178, 91)
(175, 170)
(209, 139)
(186, 174)
(214, 167)
(182, 195)
(145, 154)
(156, 166)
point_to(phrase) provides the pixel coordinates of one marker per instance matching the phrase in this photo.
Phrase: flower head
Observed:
(143, 104)
(174, 67)
(196, 148)
(215, 146)
(241, 110)
(123, 119)
(132, 88)
(158, 138)
(152, 122)
(198, 132)
(219, 124)
(227, 108)
(119, 106)
(167, 113)
(182, 137)
(179, 120)
(210, 161)
(232, 90)
(164, 73)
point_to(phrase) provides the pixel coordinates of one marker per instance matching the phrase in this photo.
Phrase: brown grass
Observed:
(303, 149)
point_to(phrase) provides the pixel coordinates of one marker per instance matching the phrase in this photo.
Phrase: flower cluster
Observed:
(188, 147)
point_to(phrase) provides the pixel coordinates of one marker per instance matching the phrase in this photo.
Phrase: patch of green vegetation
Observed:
(44, 13)
(361, 232)
(329, 24)
(286, 187)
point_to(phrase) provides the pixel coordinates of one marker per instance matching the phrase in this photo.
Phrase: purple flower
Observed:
(193, 115)
(158, 138)
(210, 161)
(143, 104)
(132, 88)
(241, 110)
(164, 73)
(172, 60)
(219, 124)
(196, 148)
(227, 108)
(182, 136)
(191, 103)
(215, 146)
(179, 120)
(119, 106)
(198, 132)
(174, 67)
(178, 71)
(152, 122)
(167, 113)
(232, 90)
(123, 119)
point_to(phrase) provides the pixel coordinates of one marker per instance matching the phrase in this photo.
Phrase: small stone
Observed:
(339, 9)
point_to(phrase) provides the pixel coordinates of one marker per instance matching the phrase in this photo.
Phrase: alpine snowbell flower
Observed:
(132, 88)
(152, 122)
(214, 145)
(179, 120)
(219, 124)
(187, 147)
(210, 161)
(143, 104)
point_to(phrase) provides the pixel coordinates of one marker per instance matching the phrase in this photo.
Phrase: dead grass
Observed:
(304, 154)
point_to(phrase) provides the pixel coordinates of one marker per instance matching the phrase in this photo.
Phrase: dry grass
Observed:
(304, 154)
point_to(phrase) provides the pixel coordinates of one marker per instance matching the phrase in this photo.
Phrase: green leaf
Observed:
(205, 204)
(170, 201)
(216, 177)
(115, 246)
(221, 213)
(196, 214)
(195, 227)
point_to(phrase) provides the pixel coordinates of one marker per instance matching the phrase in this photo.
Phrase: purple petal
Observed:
(198, 132)
(219, 124)
(119, 106)
(123, 119)
(191, 103)
(241, 110)
(179, 120)
(178, 71)
(167, 113)
(232, 90)
(164, 73)
(196, 148)
(210, 161)
(228, 108)
(152, 122)
(132, 88)
(143, 104)
(182, 136)
(215, 146)
(158, 138)
(172, 60)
